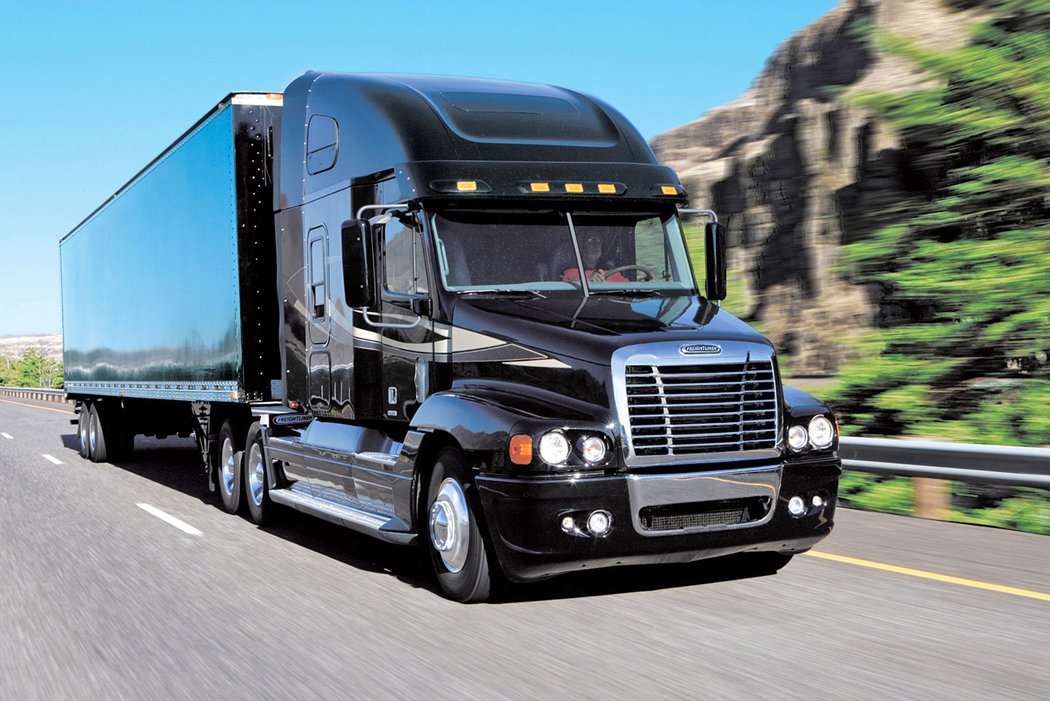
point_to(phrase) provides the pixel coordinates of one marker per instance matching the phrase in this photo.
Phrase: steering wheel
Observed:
(621, 268)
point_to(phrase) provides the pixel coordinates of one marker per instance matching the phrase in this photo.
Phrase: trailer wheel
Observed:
(229, 469)
(96, 436)
(256, 468)
(455, 542)
(83, 424)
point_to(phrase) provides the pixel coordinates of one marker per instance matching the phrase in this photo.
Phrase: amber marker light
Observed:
(467, 185)
(607, 188)
(574, 187)
(669, 189)
(521, 449)
(540, 187)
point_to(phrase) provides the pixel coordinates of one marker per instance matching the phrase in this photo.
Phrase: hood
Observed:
(591, 330)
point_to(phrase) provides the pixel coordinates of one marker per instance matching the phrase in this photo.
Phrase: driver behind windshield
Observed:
(594, 268)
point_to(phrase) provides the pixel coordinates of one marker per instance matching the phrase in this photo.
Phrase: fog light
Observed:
(818, 501)
(797, 438)
(599, 522)
(568, 524)
(796, 506)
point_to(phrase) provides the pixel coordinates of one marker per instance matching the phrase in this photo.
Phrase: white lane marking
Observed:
(169, 519)
(8, 436)
(52, 458)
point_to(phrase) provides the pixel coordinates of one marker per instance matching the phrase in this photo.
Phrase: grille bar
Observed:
(669, 392)
(707, 428)
(665, 383)
(762, 402)
(667, 406)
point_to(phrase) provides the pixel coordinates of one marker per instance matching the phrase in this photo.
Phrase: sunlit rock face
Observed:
(795, 169)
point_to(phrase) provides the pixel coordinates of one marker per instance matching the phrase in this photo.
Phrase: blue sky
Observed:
(92, 91)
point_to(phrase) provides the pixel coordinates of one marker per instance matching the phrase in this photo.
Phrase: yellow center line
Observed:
(35, 406)
(961, 581)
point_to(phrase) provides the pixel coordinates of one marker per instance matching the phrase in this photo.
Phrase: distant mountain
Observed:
(15, 346)
(794, 167)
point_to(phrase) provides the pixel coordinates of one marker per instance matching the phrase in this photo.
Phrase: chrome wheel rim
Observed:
(226, 466)
(256, 474)
(450, 525)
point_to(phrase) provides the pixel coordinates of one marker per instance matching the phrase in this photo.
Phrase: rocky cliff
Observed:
(794, 168)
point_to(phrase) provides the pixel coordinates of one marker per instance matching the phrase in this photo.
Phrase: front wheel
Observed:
(454, 540)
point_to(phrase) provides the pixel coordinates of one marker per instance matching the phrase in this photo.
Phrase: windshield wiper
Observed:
(621, 292)
(504, 293)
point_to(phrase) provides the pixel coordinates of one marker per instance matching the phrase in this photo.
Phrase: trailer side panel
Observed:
(152, 281)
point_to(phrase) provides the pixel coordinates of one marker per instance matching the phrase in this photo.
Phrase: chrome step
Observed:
(344, 510)
(377, 509)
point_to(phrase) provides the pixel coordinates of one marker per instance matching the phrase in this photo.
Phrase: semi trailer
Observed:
(446, 311)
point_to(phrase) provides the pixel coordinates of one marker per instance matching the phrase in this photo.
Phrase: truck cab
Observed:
(493, 342)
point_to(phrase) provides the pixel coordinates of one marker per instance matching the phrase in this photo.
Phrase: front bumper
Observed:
(524, 516)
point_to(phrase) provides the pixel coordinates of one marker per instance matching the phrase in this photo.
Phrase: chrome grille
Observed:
(702, 408)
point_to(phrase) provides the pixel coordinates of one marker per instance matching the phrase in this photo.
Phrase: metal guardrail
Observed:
(993, 464)
(964, 462)
(47, 395)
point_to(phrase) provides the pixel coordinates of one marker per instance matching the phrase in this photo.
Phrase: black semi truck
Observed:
(450, 311)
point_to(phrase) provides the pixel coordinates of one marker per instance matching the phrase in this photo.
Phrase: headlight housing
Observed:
(554, 448)
(821, 432)
(797, 438)
(559, 449)
(592, 449)
(816, 433)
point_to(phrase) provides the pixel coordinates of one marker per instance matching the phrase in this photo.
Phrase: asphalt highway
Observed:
(129, 582)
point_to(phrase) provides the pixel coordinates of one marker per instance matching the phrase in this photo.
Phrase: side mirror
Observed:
(359, 269)
(715, 256)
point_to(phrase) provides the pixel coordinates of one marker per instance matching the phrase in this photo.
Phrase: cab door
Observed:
(407, 329)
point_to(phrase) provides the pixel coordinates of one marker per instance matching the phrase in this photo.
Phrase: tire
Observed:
(454, 540)
(228, 469)
(83, 424)
(256, 468)
(96, 437)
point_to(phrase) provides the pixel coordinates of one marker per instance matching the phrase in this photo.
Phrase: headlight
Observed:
(821, 432)
(592, 448)
(797, 438)
(554, 448)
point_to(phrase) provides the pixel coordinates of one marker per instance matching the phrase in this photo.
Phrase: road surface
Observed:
(129, 582)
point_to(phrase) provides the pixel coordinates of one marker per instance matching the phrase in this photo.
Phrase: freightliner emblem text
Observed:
(700, 349)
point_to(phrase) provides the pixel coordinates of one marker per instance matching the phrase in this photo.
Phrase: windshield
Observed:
(540, 252)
